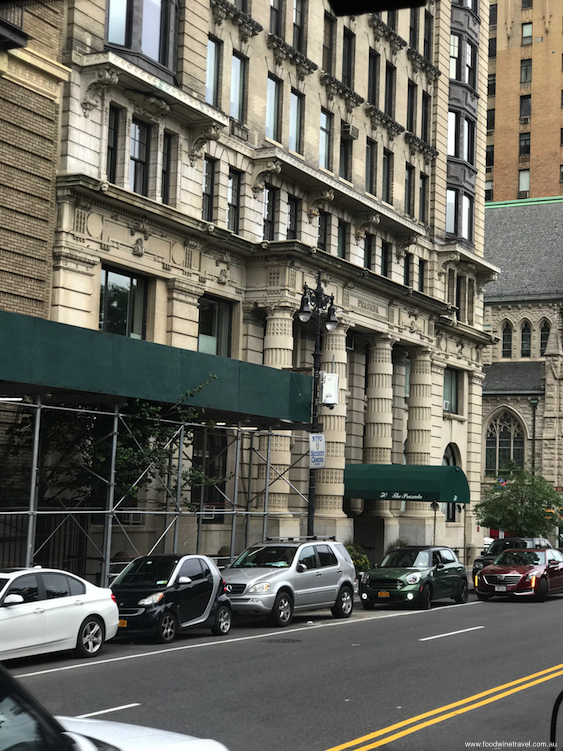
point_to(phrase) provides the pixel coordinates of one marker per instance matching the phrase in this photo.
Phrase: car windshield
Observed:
(266, 556)
(3, 581)
(520, 558)
(147, 572)
(499, 545)
(406, 559)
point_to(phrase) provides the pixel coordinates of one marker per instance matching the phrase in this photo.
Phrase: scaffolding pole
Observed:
(249, 497)
(179, 488)
(235, 496)
(32, 520)
(108, 519)
(267, 488)
(201, 493)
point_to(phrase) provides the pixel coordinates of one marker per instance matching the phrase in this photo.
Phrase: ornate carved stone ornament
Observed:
(316, 200)
(403, 246)
(418, 146)
(283, 51)
(421, 63)
(333, 87)
(248, 27)
(485, 278)
(141, 226)
(379, 119)
(261, 171)
(382, 30)
(104, 78)
(148, 105)
(450, 259)
(200, 137)
(138, 247)
(366, 222)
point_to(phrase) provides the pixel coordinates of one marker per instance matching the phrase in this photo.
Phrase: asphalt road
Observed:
(436, 680)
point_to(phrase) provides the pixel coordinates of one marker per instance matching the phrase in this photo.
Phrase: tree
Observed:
(526, 506)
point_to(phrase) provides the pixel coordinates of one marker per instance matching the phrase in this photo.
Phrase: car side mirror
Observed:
(552, 563)
(301, 567)
(439, 565)
(184, 580)
(13, 599)
(483, 552)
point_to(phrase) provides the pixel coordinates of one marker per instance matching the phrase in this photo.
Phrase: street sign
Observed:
(317, 451)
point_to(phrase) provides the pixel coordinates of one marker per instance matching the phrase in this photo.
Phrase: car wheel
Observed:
(425, 598)
(483, 597)
(223, 621)
(167, 628)
(367, 605)
(344, 603)
(90, 639)
(541, 590)
(282, 612)
(463, 593)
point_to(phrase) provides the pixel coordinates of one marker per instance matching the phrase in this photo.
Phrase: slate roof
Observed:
(513, 377)
(525, 239)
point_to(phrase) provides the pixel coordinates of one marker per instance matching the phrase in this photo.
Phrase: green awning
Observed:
(399, 482)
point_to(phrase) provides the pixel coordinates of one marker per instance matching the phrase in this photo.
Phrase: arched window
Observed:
(505, 443)
(544, 336)
(507, 341)
(526, 340)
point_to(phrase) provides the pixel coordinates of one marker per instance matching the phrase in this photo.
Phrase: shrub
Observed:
(358, 556)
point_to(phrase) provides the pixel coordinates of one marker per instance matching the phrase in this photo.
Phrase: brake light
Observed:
(114, 598)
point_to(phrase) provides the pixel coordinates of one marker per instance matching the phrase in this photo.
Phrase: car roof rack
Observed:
(304, 538)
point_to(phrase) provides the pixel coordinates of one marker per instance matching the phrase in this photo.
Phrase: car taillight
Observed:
(114, 598)
(224, 586)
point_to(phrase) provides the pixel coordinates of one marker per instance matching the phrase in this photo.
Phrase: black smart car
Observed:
(161, 595)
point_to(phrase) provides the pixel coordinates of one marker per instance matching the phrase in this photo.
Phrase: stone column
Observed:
(182, 315)
(400, 361)
(378, 441)
(419, 421)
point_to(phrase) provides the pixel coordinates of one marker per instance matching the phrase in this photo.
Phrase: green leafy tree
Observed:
(526, 506)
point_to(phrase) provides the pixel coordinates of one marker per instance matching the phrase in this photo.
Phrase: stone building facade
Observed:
(215, 157)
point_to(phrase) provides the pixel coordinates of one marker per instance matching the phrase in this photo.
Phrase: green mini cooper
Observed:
(415, 575)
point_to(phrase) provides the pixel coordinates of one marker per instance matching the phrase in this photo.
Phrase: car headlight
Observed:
(260, 589)
(151, 599)
(413, 578)
(365, 578)
(531, 577)
(478, 565)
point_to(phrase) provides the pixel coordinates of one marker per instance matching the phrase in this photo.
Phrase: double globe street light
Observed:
(313, 303)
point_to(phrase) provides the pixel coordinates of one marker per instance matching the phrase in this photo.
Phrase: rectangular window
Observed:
(342, 239)
(270, 208)
(471, 65)
(492, 84)
(421, 275)
(208, 188)
(490, 155)
(525, 106)
(325, 139)
(451, 212)
(166, 165)
(369, 251)
(526, 4)
(299, 25)
(213, 70)
(412, 90)
(276, 17)
(371, 161)
(123, 302)
(490, 120)
(113, 140)
(386, 249)
(413, 28)
(155, 31)
(524, 144)
(233, 200)
(453, 134)
(561, 137)
(492, 48)
(455, 57)
(273, 99)
(238, 78)
(118, 23)
(373, 77)
(526, 33)
(469, 130)
(348, 44)
(426, 117)
(392, 19)
(493, 14)
(345, 166)
(488, 190)
(296, 122)
(387, 188)
(467, 217)
(451, 384)
(293, 216)
(409, 189)
(407, 270)
(561, 173)
(328, 43)
(428, 35)
(525, 70)
(323, 231)
(139, 159)
(423, 198)
(214, 335)
(390, 75)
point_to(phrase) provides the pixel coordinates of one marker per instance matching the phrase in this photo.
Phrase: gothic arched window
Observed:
(526, 340)
(505, 443)
(544, 336)
(507, 341)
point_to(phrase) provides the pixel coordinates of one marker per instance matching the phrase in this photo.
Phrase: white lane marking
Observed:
(105, 711)
(218, 642)
(452, 633)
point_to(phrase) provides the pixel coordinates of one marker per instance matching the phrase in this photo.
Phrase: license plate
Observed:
(500, 588)
(122, 623)
(383, 594)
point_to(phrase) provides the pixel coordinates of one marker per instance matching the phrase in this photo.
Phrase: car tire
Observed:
(463, 593)
(425, 598)
(223, 621)
(90, 640)
(482, 597)
(344, 604)
(541, 591)
(367, 605)
(167, 628)
(282, 612)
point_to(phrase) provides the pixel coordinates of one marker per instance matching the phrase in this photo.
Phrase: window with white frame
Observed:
(325, 140)
(139, 157)
(452, 383)
(123, 303)
(214, 334)
(270, 207)
(504, 444)
(238, 87)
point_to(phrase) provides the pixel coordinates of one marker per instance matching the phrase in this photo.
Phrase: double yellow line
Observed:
(406, 727)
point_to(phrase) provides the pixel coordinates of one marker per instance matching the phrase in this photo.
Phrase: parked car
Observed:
(160, 595)
(279, 577)
(522, 573)
(48, 610)
(25, 724)
(415, 575)
(497, 546)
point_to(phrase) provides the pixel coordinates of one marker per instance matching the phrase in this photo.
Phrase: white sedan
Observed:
(48, 610)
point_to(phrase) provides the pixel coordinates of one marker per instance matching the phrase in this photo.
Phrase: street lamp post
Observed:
(313, 303)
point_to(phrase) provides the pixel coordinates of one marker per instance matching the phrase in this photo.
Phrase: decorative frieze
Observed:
(335, 87)
(248, 27)
(283, 51)
(380, 120)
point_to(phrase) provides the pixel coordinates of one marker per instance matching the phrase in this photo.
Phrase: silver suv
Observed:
(285, 575)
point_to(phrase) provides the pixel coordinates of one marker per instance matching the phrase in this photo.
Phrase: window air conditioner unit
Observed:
(350, 132)
(446, 406)
(524, 120)
(488, 169)
(127, 519)
(523, 194)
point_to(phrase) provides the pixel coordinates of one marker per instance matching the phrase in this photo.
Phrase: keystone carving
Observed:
(105, 77)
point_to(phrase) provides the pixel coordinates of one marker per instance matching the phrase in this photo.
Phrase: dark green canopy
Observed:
(400, 482)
